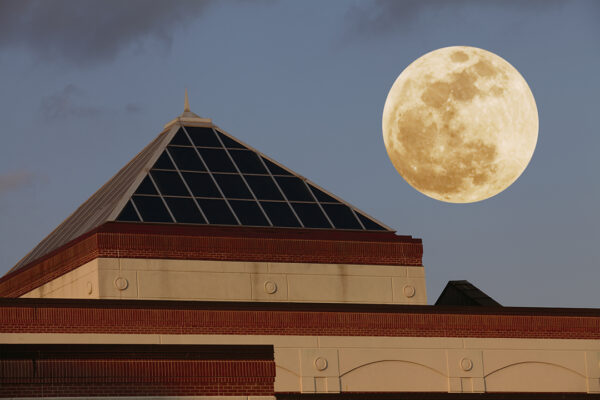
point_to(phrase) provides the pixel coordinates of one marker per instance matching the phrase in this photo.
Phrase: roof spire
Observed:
(187, 113)
(186, 105)
(188, 117)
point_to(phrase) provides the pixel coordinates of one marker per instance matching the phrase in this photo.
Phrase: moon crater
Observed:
(460, 124)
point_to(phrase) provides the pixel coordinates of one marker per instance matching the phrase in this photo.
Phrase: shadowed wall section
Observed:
(135, 370)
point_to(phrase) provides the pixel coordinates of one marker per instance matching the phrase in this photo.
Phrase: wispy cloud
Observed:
(66, 104)
(381, 16)
(133, 108)
(13, 181)
(88, 32)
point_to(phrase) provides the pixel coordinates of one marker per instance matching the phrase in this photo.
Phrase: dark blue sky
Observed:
(85, 85)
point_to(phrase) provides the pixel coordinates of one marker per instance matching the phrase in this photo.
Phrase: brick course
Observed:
(165, 317)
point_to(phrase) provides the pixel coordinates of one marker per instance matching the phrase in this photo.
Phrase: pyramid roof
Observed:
(194, 172)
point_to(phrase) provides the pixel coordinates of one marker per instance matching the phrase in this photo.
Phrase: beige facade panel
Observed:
(393, 376)
(354, 359)
(535, 377)
(340, 288)
(193, 286)
(81, 283)
(124, 278)
(313, 364)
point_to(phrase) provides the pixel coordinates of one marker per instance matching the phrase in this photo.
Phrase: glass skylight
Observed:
(206, 177)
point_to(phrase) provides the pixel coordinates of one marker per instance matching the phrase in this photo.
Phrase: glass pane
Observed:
(186, 158)
(274, 168)
(169, 183)
(233, 186)
(184, 210)
(203, 137)
(180, 139)
(217, 212)
(294, 189)
(128, 213)
(201, 184)
(370, 224)
(280, 214)
(249, 213)
(217, 160)
(341, 216)
(264, 187)
(229, 142)
(248, 162)
(164, 162)
(146, 187)
(152, 209)
(322, 196)
(311, 215)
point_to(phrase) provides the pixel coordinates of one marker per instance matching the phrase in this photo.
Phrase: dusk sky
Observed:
(85, 85)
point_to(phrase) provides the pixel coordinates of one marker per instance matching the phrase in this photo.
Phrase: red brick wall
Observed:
(146, 317)
(73, 374)
(216, 243)
(135, 378)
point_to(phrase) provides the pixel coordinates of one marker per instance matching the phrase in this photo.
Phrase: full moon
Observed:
(460, 124)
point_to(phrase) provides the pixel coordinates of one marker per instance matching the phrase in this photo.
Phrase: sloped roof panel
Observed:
(99, 207)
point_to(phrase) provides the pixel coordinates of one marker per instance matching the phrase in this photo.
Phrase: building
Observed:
(204, 268)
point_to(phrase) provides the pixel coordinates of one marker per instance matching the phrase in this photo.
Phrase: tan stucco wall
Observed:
(239, 281)
(81, 283)
(399, 364)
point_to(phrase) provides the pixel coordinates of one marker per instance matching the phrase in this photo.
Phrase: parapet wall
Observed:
(347, 348)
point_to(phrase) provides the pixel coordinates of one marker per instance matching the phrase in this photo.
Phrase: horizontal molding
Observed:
(436, 396)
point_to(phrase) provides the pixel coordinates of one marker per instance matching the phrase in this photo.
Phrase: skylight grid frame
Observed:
(244, 179)
(307, 182)
(338, 202)
(319, 204)
(135, 208)
(211, 177)
(253, 199)
(160, 195)
(262, 160)
(185, 183)
(312, 186)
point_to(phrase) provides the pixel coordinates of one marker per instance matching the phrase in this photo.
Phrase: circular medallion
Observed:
(270, 287)
(466, 364)
(409, 291)
(320, 364)
(121, 283)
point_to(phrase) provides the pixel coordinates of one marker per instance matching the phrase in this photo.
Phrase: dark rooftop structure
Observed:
(464, 293)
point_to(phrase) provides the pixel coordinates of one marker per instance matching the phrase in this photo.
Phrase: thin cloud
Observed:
(381, 16)
(88, 32)
(13, 181)
(66, 104)
(133, 108)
